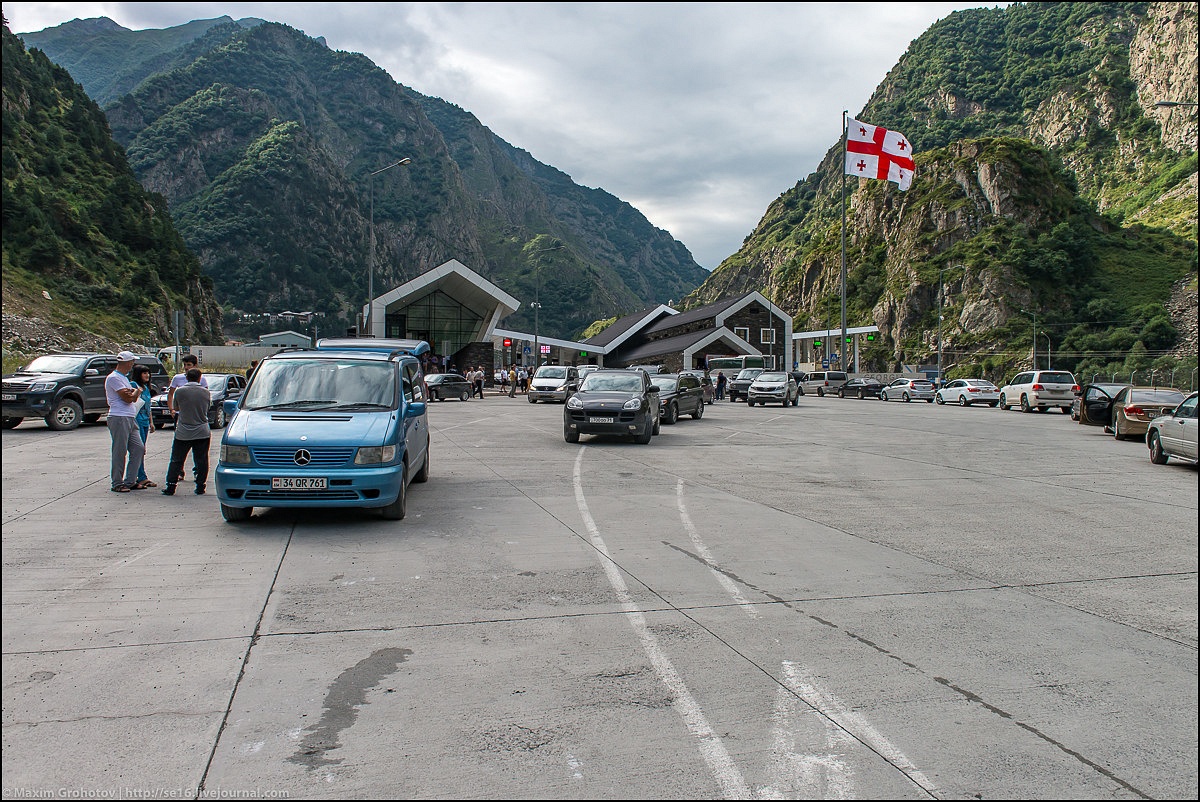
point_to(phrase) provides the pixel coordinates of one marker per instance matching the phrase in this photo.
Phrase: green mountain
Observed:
(84, 244)
(1047, 180)
(263, 141)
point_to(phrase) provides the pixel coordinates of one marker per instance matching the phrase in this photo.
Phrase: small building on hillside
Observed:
(285, 339)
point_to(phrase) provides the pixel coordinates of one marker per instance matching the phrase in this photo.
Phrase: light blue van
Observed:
(340, 425)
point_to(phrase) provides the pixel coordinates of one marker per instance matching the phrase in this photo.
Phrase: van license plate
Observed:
(299, 483)
(600, 420)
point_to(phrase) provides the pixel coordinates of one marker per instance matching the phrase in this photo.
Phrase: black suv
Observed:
(618, 401)
(679, 394)
(67, 389)
(739, 386)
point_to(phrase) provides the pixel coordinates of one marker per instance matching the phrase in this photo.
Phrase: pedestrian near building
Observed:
(479, 376)
(512, 382)
(523, 380)
(191, 433)
(145, 421)
(127, 446)
(720, 385)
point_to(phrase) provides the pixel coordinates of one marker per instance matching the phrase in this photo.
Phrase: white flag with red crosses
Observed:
(874, 152)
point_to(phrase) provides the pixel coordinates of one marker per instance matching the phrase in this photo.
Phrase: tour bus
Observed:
(340, 425)
(734, 364)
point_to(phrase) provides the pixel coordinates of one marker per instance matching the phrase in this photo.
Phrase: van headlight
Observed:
(374, 455)
(235, 455)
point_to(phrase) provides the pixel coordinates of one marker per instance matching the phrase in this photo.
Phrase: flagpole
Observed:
(842, 344)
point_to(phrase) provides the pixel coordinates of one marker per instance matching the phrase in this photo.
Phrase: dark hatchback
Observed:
(221, 386)
(617, 402)
(860, 387)
(447, 385)
(680, 394)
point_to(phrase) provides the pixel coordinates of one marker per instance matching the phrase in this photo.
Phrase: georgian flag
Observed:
(874, 152)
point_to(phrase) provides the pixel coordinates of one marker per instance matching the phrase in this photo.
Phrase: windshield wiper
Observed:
(291, 404)
(362, 405)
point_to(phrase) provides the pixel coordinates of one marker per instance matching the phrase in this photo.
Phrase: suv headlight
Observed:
(574, 402)
(633, 403)
(374, 455)
(41, 387)
(235, 455)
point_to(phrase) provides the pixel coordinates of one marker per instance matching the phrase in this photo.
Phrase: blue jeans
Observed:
(144, 428)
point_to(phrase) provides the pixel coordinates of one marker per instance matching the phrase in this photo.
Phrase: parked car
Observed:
(222, 387)
(448, 385)
(966, 392)
(1174, 434)
(652, 370)
(773, 385)
(66, 390)
(739, 385)
(584, 370)
(824, 381)
(1098, 396)
(1040, 390)
(860, 387)
(343, 425)
(679, 394)
(905, 389)
(707, 387)
(1129, 412)
(617, 401)
(553, 383)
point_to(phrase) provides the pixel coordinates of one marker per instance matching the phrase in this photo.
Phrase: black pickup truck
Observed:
(66, 389)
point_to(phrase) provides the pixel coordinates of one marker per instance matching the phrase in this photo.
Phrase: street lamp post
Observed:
(537, 304)
(371, 275)
(942, 270)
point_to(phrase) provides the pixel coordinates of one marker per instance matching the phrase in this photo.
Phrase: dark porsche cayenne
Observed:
(620, 402)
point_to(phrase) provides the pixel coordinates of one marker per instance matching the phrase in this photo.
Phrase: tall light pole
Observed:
(1034, 316)
(371, 275)
(537, 303)
(941, 271)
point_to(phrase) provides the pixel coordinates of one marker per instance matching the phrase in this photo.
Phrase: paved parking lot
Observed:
(844, 599)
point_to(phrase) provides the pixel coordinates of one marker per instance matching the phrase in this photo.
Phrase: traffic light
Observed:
(871, 337)
(816, 343)
(849, 339)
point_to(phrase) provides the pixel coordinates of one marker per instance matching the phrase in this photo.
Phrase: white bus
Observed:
(733, 364)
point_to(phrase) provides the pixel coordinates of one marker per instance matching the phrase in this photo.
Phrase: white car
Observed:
(1040, 390)
(903, 389)
(1174, 434)
(966, 392)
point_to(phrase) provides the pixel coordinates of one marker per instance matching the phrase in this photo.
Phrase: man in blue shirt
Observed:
(127, 446)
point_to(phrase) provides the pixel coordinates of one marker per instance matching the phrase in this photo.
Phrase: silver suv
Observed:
(1040, 390)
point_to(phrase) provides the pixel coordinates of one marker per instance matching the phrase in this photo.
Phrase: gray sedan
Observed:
(908, 390)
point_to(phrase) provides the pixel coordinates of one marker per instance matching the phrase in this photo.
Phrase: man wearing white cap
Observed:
(127, 446)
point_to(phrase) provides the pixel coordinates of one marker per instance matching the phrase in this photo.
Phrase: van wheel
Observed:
(1157, 455)
(397, 509)
(66, 415)
(820, 392)
(423, 474)
(236, 515)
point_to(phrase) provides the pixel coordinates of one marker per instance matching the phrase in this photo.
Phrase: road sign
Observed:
(824, 363)
(528, 350)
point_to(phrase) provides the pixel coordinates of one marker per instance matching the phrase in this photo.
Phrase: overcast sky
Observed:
(698, 114)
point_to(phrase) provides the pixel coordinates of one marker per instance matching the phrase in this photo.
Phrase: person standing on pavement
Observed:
(191, 433)
(145, 420)
(720, 385)
(127, 446)
(190, 362)
(512, 382)
(479, 375)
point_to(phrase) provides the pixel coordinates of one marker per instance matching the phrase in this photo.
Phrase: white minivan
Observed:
(823, 381)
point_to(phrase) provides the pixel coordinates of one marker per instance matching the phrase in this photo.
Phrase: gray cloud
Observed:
(697, 114)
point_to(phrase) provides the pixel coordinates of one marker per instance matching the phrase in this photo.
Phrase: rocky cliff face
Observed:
(1162, 63)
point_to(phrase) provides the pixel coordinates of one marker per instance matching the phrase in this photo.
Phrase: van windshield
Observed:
(550, 372)
(318, 384)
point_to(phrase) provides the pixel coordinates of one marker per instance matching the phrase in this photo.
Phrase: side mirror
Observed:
(230, 405)
(91, 372)
(414, 409)
(652, 388)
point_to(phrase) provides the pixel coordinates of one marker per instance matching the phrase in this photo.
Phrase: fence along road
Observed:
(841, 599)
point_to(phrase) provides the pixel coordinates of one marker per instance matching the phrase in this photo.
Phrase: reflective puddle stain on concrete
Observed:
(346, 695)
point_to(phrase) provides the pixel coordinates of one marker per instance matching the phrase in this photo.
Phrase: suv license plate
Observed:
(600, 420)
(299, 483)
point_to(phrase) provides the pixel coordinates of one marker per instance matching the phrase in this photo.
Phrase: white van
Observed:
(823, 381)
